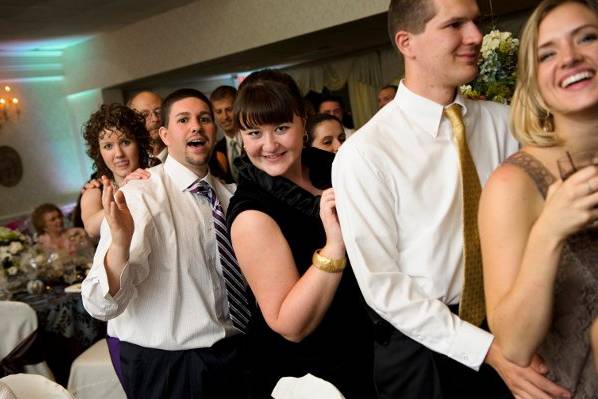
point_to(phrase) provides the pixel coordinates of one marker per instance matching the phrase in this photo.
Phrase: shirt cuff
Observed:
(470, 345)
(123, 281)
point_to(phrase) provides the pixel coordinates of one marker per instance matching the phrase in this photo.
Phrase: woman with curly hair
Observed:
(117, 142)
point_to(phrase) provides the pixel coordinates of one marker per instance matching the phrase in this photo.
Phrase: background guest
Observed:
(539, 247)
(148, 104)
(118, 143)
(324, 131)
(48, 221)
(230, 146)
(287, 238)
(333, 105)
(386, 94)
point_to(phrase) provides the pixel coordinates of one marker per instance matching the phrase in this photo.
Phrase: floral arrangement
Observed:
(498, 67)
(12, 245)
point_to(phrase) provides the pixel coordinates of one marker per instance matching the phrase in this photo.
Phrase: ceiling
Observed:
(350, 38)
(56, 24)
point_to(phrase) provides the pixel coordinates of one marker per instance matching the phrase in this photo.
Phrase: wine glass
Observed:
(574, 161)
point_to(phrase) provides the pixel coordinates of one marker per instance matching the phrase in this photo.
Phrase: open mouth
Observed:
(197, 143)
(576, 78)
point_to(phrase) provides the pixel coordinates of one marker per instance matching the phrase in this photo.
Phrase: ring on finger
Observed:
(590, 188)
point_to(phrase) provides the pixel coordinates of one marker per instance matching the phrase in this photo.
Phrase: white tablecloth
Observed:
(306, 387)
(31, 386)
(93, 376)
(19, 321)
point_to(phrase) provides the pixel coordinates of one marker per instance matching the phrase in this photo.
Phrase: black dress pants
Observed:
(404, 368)
(215, 372)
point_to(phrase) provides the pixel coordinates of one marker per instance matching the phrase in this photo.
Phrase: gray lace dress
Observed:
(566, 348)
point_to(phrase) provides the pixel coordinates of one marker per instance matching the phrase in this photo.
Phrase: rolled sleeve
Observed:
(95, 289)
(366, 203)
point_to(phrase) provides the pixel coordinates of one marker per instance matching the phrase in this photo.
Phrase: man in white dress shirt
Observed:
(398, 195)
(157, 274)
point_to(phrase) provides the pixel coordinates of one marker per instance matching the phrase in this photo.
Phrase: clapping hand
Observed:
(117, 214)
(332, 227)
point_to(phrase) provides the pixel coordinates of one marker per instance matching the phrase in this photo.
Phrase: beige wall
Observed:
(45, 136)
(199, 32)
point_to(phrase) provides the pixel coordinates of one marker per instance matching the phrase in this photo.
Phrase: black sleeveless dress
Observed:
(340, 350)
(566, 349)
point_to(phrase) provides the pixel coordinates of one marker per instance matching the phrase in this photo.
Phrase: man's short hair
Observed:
(222, 92)
(331, 98)
(409, 15)
(132, 97)
(178, 95)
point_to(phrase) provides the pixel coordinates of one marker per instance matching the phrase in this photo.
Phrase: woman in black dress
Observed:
(287, 238)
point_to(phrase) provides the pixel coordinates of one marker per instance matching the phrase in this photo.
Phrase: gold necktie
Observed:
(472, 306)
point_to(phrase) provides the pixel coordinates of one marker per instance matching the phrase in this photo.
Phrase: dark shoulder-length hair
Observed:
(313, 122)
(267, 97)
(112, 118)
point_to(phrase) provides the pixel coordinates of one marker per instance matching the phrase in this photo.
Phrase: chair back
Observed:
(32, 386)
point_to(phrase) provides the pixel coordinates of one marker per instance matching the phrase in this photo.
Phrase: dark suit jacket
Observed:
(218, 164)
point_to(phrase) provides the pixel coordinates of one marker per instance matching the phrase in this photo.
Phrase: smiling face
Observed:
(445, 54)
(190, 134)
(53, 222)
(223, 111)
(148, 105)
(276, 148)
(568, 59)
(328, 136)
(119, 152)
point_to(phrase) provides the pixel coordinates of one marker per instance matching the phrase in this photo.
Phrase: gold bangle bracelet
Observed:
(328, 265)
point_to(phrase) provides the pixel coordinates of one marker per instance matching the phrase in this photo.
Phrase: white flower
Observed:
(13, 270)
(5, 253)
(15, 247)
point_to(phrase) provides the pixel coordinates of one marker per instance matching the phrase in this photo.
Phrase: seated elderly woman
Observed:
(325, 131)
(538, 232)
(48, 221)
(118, 143)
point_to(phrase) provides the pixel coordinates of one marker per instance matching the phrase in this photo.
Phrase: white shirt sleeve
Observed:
(95, 289)
(367, 204)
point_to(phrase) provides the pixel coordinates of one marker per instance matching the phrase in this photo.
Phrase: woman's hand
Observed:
(335, 247)
(138, 174)
(117, 215)
(93, 183)
(571, 205)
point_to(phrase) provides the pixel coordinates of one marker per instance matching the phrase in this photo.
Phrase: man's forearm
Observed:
(114, 263)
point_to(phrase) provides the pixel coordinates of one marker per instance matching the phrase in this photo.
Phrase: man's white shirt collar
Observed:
(424, 112)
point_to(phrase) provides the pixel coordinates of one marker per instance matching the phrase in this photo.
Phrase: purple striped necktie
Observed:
(236, 290)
